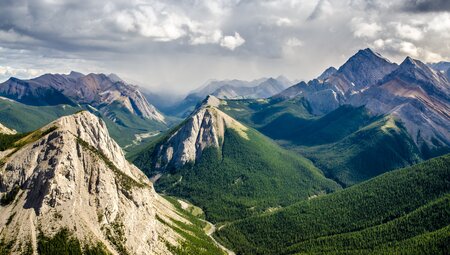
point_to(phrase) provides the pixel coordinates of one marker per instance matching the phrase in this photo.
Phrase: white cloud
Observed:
(408, 32)
(379, 44)
(8, 71)
(144, 38)
(440, 23)
(283, 22)
(294, 42)
(232, 42)
(159, 24)
(402, 48)
(431, 57)
(205, 38)
(216, 37)
(408, 48)
(365, 29)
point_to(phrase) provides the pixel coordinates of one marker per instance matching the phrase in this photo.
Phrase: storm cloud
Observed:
(427, 5)
(179, 44)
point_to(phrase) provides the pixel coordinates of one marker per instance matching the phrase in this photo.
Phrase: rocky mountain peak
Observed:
(211, 101)
(271, 80)
(71, 175)
(327, 73)
(114, 77)
(204, 128)
(417, 74)
(365, 68)
(75, 74)
(410, 64)
(418, 96)
(284, 80)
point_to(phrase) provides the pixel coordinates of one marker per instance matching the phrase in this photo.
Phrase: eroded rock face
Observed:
(204, 128)
(417, 95)
(411, 91)
(98, 90)
(71, 174)
(361, 71)
(5, 130)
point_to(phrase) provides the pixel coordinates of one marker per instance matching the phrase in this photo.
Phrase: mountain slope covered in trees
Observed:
(406, 211)
(229, 170)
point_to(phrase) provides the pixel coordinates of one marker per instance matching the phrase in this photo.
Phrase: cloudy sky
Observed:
(176, 45)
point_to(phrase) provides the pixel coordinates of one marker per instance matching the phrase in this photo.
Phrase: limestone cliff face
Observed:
(204, 128)
(5, 130)
(71, 174)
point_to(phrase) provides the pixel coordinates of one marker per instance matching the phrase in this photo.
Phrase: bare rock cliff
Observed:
(204, 128)
(5, 130)
(70, 174)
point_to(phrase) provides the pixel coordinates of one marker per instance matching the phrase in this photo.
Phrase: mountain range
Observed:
(229, 89)
(355, 161)
(30, 104)
(411, 92)
(228, 169)
(97, 90)
(67, 187)
(443, 67)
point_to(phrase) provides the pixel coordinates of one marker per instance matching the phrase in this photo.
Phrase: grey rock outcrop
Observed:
(204, 128)
(71, 174)
(6, 130)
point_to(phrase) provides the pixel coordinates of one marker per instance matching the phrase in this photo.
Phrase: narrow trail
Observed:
(210, 232)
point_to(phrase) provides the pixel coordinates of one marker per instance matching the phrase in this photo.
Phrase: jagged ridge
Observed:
(71, 175)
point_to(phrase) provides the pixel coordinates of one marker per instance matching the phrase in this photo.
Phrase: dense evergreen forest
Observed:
(405, 211)
(244, 177)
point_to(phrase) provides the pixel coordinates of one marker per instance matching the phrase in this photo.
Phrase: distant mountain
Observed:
(443, 67)
(213, 85)
(97, 90)
(416, 95)
(231, 89)
(26, 105)
(349, 144)
(412, 92)
(353, 133)
(402, 212)
(68, 187)
(261, 88)
(327, 73)
(361, 71)
(265, 89)
(228, 169)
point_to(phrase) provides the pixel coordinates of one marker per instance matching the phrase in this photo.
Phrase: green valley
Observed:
(245, 175)
(404, 211)
(123, 126)
(349, 144)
